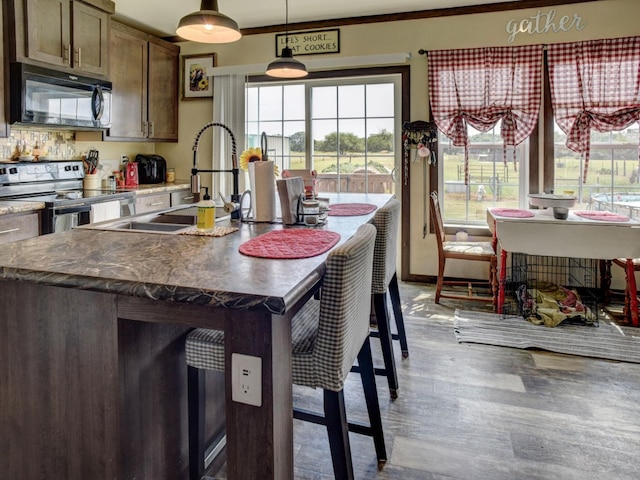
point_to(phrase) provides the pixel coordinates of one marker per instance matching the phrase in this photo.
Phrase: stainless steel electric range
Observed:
(59, 185)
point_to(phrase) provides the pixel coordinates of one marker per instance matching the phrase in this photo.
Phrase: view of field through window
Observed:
(344, 130)
(612, 183)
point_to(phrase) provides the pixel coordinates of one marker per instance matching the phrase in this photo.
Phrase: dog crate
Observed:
(552, 290)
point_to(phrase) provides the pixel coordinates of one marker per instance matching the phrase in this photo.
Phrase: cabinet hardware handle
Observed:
(66, 55)
(145, 129)
(155, 204)
(152, 130)
(79, 59)
(188, 198)
(11, 230)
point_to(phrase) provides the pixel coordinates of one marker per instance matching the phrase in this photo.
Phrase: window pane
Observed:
(351, 101)
(612, 180)
(324, 102)
(491, 182)
(252, 103)
(294, 106)
(380, 100)
(271, 103)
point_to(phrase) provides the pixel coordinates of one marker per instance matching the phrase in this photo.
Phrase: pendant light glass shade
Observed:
(208, 25)
(286, 66)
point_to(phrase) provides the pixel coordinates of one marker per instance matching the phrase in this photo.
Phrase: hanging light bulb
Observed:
(286, 66)
(208, 25)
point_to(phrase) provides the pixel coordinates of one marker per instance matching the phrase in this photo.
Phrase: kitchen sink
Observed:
(166, 222)
(151, 226)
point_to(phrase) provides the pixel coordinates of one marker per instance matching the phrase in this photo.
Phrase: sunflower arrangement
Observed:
(253, 154)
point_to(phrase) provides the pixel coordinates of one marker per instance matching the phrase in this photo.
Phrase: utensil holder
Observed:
(91, 181)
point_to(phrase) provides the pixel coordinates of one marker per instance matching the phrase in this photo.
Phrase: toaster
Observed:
(151, 169)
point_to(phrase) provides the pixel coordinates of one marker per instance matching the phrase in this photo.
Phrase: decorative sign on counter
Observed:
(310, 43)
(544, 23)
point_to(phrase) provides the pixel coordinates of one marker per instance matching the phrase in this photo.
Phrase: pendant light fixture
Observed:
(286, 66)
(208, 25)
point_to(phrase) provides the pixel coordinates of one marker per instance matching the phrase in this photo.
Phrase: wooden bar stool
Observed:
(327, 337)
(385, 280)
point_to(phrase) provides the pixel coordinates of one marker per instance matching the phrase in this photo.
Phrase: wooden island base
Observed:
(88, 395)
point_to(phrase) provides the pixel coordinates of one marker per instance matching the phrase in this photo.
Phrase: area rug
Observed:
(607, 341)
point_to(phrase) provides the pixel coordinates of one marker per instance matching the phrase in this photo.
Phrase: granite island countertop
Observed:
(181, 268)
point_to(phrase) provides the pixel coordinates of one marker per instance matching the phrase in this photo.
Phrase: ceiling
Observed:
(161, 18)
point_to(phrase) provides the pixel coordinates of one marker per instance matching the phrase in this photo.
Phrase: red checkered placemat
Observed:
(602, 216)
(290, 243)
(350, 209)
(512, 212)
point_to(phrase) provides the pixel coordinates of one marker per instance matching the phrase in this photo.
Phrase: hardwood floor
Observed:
(482, 412)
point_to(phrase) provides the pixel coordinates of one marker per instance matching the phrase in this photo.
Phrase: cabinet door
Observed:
(4, 130)
(128, 72)
(150, 203)
(14, 227)
(182, 198)
(90, 39)
(48, 31)
(163, 92)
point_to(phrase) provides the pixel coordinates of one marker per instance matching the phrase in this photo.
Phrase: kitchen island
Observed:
(92, 371)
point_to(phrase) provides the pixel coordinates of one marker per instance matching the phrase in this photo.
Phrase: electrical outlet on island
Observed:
(246, 379)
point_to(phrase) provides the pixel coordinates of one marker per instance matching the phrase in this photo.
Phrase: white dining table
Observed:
(575, 237)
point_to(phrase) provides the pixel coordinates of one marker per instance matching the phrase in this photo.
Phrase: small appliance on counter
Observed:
(151, 169)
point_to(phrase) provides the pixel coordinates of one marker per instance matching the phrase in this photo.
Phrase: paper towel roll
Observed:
(263, 190)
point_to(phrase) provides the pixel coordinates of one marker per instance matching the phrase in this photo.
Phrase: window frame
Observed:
(333, 77)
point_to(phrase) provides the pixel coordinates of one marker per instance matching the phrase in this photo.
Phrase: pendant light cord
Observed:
(286, 23)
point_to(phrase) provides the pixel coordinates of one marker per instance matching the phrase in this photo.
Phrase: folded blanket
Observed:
(550, 305)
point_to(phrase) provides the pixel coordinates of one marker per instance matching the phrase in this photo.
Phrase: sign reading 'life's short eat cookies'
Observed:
(309, 43)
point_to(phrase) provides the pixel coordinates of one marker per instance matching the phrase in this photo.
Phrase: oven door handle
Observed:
(78, 208)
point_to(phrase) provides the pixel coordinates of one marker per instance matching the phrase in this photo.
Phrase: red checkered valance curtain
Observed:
(595, 85)
(481, 86)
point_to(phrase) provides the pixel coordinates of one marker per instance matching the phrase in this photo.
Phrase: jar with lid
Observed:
(171, 175)
(310, 211)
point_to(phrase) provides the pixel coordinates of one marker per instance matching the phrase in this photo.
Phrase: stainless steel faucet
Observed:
(235, 171)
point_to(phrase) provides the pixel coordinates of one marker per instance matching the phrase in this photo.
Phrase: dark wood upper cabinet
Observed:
(4, 130)
(144, 71)
(69, 35)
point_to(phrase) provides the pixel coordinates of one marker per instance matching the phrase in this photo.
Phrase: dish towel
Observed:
(290, 243)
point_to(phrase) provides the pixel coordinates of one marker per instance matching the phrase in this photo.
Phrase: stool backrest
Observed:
(344, 308)
(386, 220)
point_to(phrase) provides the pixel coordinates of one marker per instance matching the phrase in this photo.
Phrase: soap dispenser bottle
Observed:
(206, 213)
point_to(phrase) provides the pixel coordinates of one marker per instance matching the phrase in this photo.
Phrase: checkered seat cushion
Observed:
(327, 334)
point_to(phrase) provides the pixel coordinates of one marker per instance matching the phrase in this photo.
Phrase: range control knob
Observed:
(13, 170)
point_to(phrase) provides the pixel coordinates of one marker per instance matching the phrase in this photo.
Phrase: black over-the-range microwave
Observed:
(50, 98)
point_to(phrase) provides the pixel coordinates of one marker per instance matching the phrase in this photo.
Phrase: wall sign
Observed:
(544, 23)
(310, 43)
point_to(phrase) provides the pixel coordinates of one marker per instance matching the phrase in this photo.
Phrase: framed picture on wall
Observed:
(195, 82)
